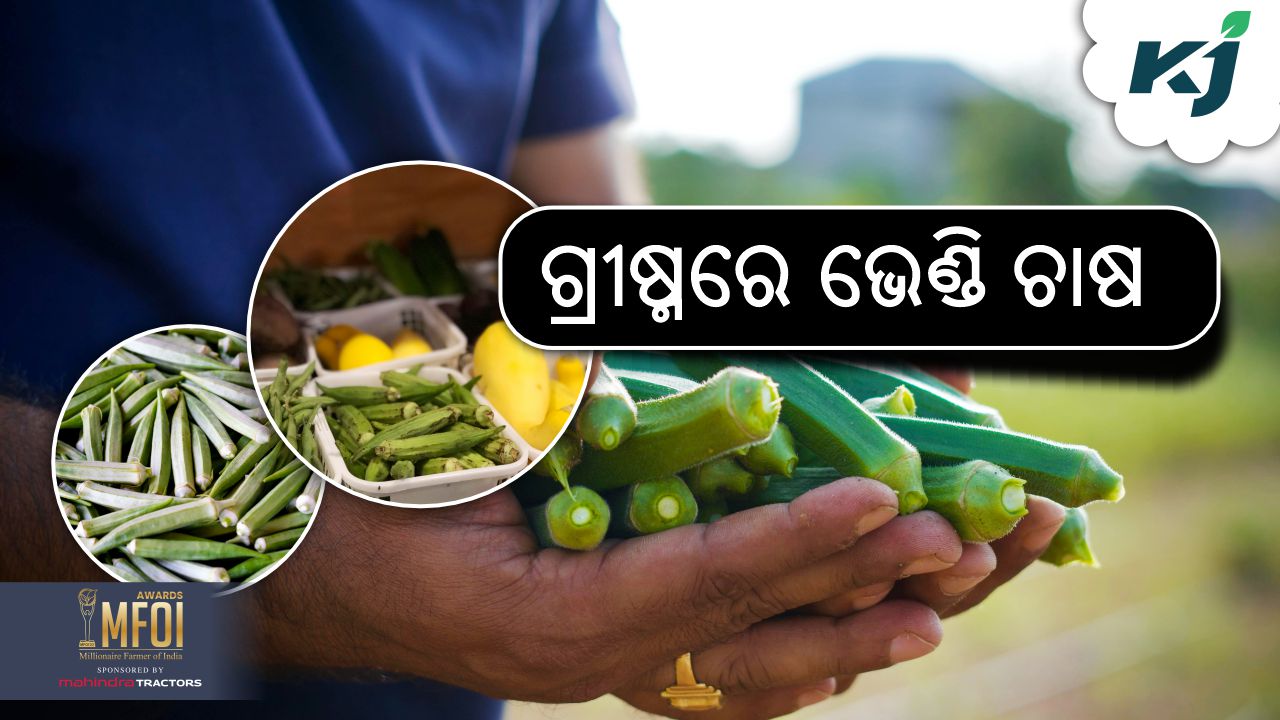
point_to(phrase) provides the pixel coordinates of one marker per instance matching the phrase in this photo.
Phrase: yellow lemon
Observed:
(340, 334)
(408, 343)
(361, 350)
(327, 349)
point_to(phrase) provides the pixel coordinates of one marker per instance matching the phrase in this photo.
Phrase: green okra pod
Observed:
(248, 567)
(199, 572)
(1071, 543)
(140, 447)
(276, 542)
(117, 498)
(283, 472)
(721, 477)
(120, 356)
(478, 415)
(377, 470)
(131, 474)
(982, 501)
(180, 452)
(933, 398)
(1068, 474)
(426, 423)
(201, 458)
(284, 522)
(401, 470)
(437, 465)
(898, 402)
(436, 444)
(240, 465)
(113, 440)
(168, 353)
(411, 387)
(161, 457)
(472, 459)
(126, 571)
(231, 345)
(229, 391)
(607, 416)
(775, 456)
(559, 459)
(168, 519)
(247, 491)
(734, 409)
(575, 519)
(145, 395)
(360, 396)
(107, 522)
(650, 506)
(391, 412)
(198, 549)
(272, 503)
(230, 415)
(154, 572)
(109, 375)
(67, 451)
(91, 434)
(499, 450)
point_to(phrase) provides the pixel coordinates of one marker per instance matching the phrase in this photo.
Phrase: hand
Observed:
(464, 596)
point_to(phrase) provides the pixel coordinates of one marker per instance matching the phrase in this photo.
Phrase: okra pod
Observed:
(309, 498)
(246, 493)
(180, 452)
(104, 524)
(198, 572)
(154, 572)
(113, 440)
(67, 451)
(1071, 543)
(120, 356)
(424, 424)
(140, 447)
(212, 427)
(272, 503)
(607, 416)
(161, 457)
(401, 469)
(240, 465)
(276, 542)
(722, 477)
(231, 345)
(575, 519)
(248, 567)
(734, 409)
(391, 412)
(435, 445)
(775, 456)
(361, 396)
(650, 506)
(472, 459)
(411, 387)
(561, 458)
(1068, 474)
(229, 391)
(108, 375)
(230, 415)
(91, 422)
(478, 415)
(167, 519)
(131, 474)
(437, 465)
(146, 394)
(898, 402)
(125, 570)
(167, 352)
(982, 501)
(933, 399)
(284, 522)
(377, 470)
(199, 549)
(201, 458)
(117, 498)
(500, 450)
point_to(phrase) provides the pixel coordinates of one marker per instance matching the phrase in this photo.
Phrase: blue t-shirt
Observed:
(152, 150)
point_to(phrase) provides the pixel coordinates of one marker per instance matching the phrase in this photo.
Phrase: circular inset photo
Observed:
(378, 347)
(167, 470)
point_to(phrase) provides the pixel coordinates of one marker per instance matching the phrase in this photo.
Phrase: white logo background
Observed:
(1250, 116)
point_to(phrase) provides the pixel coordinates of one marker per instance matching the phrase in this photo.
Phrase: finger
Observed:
(751, 706)
(805, 649)
(943, 589)
(961, 380)
(858, 578)
(1015, 551)
(844, 682)
(596, 362)
(715, 576)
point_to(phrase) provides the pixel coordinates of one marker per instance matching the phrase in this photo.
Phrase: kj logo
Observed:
(1184, 72)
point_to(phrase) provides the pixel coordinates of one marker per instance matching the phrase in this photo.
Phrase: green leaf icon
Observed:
(1234, 24)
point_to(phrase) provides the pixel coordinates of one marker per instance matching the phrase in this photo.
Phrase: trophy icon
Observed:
(88, 598)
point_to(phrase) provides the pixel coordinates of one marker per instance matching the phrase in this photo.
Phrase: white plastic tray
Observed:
(384, 319)
(423, 489)
(346, 273)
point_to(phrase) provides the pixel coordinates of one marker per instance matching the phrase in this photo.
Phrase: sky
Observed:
(727, 73)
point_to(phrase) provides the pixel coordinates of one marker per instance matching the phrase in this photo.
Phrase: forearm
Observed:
(592, 167)
(40, 548)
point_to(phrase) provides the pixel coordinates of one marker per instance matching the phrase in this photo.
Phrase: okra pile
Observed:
(315, 290)
(661, 441)
(407, 427)
(166, 468)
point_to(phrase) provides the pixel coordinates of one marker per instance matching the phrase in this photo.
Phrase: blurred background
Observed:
(929, 103)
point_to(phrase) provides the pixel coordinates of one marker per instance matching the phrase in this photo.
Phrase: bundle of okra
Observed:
(406, 427)
(714, 434)
(167, 471)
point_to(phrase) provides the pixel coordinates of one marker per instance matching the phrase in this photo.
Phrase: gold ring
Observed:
(688, 693)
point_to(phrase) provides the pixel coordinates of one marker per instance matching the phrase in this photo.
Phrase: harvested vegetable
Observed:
(1071, 543)
(608, 414)
(313, 290)
(183, 446)
(574, 519)
(982, 501)
(651, 506)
